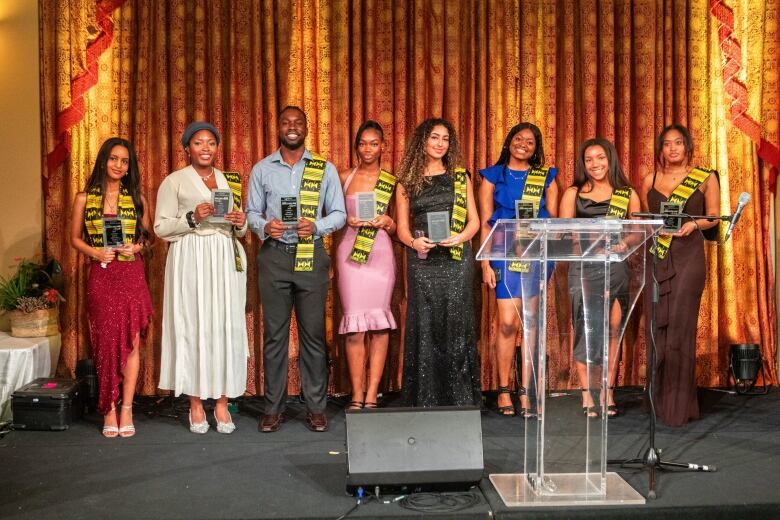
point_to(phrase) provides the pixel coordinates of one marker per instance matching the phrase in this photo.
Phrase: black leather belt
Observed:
(288, 248)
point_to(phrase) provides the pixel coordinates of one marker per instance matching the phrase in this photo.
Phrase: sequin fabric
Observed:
(440, 344)
(119, 307)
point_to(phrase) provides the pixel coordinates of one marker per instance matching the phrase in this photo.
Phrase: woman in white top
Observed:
(204, 340)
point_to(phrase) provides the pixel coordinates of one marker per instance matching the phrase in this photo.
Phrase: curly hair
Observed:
(412, 167)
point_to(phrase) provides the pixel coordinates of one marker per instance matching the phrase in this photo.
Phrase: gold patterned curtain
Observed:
(620, 69)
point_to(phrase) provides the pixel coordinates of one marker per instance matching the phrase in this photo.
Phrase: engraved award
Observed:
(113, 234)
(289, 217)
(366, 206)
(525, 210)
(438, 226)
(221, 199)
(289, 207)
(672, 224)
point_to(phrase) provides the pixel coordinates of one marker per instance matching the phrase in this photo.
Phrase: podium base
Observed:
(564, 489)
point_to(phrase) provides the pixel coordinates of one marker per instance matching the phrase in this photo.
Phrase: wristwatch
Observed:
(191, 220)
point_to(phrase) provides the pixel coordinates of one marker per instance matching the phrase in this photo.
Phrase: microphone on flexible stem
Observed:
(744, 198)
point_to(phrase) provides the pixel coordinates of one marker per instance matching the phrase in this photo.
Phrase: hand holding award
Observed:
(237, 218)
(305, 228)
(113, 239)
(222, 202)
(202, 211)
(452, 241)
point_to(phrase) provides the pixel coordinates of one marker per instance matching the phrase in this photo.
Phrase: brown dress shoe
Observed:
(317, 422)
(270, 422)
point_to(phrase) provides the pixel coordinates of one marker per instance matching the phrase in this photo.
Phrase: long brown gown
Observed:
(681, 277)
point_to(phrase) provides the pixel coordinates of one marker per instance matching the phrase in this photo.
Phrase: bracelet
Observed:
(411, 244)
(191, 220)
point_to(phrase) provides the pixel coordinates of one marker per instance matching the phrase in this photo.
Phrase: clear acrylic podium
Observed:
(606, 274)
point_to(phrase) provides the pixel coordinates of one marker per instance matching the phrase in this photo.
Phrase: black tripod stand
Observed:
(652, 456)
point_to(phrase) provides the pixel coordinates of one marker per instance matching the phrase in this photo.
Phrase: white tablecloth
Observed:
(21, 361)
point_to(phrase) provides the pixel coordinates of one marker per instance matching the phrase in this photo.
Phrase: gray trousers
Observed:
(281, 288)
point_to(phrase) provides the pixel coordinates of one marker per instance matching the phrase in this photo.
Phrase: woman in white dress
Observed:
(204, 340)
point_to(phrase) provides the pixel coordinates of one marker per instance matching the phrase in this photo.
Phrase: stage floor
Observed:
(167, 472)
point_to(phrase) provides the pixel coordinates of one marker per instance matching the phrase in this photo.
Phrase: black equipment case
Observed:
(46, 404)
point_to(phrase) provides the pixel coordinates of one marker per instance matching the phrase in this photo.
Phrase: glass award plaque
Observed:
(289, 209)
(438, 226)
(525, 210)
(113, 234)
(671, 224)
(289, 217)
(222, 200)
(366, 206)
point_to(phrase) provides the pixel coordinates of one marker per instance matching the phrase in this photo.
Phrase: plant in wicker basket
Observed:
(30, 296)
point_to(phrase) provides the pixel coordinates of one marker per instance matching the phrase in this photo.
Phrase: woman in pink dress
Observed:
(118, 302)
(366, 268)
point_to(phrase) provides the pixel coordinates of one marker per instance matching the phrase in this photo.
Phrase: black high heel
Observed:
(612, 409)
(525, 412)
(355, 405)
(588, 411)
(509, 410)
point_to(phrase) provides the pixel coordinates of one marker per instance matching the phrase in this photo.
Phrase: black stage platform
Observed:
(167, 472)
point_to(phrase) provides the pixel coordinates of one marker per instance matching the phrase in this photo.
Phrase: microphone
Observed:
(744, 198)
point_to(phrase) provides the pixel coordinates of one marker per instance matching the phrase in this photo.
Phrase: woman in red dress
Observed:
(118, 302)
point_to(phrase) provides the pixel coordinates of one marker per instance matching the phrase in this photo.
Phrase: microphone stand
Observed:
(652, 457)
(664, 216)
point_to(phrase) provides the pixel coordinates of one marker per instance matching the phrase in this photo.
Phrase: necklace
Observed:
(675, 175)
(207, 177)
(518, 176)
(112, 207)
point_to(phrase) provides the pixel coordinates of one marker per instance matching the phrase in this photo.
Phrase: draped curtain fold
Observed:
(619, 69)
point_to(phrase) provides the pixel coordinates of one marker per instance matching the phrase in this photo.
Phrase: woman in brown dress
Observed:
(680, 272)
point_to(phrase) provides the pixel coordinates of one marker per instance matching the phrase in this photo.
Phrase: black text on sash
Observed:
(364, 241)
(311, 183)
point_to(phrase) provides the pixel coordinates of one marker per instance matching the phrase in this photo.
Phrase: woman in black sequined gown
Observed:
(440, 342)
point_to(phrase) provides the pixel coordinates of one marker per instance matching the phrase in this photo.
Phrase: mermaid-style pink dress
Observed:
(365, 289)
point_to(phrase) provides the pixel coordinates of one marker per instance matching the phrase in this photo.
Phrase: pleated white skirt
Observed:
(204, 340)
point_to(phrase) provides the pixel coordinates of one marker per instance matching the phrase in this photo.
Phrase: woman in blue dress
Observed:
(519, 169)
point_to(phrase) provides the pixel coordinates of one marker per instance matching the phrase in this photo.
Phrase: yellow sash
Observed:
(311, 183)
(364, 241)
(680, 196)
(93, 218)
(618, 203)
(234, 182)
(458, 220)
(532, 192)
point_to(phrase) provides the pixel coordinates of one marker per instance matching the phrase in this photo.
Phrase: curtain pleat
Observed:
(613, 68)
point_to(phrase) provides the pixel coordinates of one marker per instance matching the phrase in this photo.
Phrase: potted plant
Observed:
(30, 298)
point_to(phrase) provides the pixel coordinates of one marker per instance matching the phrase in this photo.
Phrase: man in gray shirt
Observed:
(290, 274)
